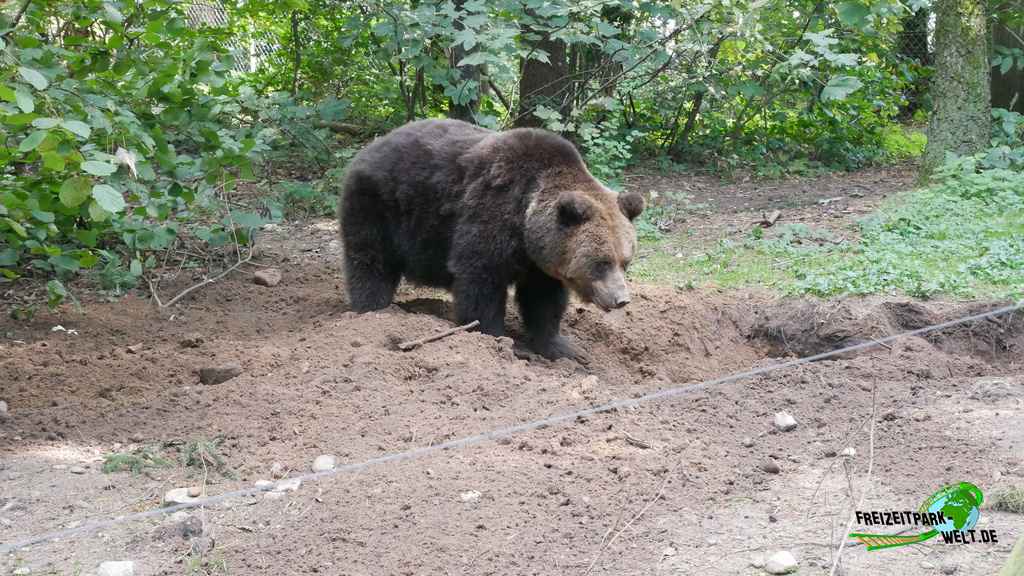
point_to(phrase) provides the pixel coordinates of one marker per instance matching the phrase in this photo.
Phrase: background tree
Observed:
(961, 121)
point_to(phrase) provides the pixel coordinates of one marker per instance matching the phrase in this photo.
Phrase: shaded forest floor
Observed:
(701, 483)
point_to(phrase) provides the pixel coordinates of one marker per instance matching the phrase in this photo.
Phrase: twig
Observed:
(199, 285)
(657, 496)
(635, 441)
(414, 344)
(17, 18)
(867, 487)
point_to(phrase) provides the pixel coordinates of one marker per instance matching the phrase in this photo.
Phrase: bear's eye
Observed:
(600, 268)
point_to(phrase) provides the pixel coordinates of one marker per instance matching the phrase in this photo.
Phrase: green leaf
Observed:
(88, 260)
(474, 59)
(108, 198)
(606, 29)
(839, 87)
(98, 168)
(6, 93)
(18, 228)
(56, 293)
(32, 141)
(77, 128)
(45, 217)
(852, 14)
(8, 257)
(65, 262)
(45, 123)
(97, 214)
(74, 191)
(246, 220)
(33, 77)
(25, 101)
(53, 161)
(135, 268)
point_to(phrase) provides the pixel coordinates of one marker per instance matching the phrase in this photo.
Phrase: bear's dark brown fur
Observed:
(448, 204)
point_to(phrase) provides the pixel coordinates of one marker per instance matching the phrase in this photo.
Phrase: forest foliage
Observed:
(128, 124)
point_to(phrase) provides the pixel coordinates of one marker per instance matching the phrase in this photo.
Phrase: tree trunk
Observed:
(961, 120)
(543, 83)
(467, 110)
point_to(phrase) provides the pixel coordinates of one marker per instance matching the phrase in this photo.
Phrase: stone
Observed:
(470, 496)
(849, 452)
(3, 408)
(116, 568)
(747, 442)
(770, 466)
(277, 470)
(269, 277)
(785, 422)
(77, 470)
(782, 562)
(263, 484)
(324, 463)
(195, 491)
(177, 496)
(193, 340)
(290, 485)
(21, 571)
(219, 374)
(949, 568)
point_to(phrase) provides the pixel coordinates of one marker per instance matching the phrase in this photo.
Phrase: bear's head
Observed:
(583, 235)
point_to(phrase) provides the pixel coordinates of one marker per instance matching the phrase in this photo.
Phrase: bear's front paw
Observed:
(561, 347)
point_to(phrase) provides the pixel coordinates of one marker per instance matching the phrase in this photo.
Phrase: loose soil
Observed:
(668, 487)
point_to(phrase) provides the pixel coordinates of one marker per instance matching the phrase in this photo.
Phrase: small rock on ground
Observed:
(782, 562)
(470, 496)
(290, 485)
(77, 470)
(116, 568)
(191, 341)
(177, 496)
(3, 408)
(267, 277)
(747, 442)
(324, 463)
(771, 467)
(277, 470)
(849, 452)
(785, 422)
(219, 374)
(949, 569)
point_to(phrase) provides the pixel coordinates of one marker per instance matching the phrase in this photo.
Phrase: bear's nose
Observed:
(621, 301)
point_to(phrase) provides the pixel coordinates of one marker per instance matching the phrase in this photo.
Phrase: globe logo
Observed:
(952, 512)
(959, 504)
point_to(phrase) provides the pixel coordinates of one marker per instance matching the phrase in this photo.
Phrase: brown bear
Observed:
(448, 204)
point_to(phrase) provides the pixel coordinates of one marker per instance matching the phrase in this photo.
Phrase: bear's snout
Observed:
(611, 292)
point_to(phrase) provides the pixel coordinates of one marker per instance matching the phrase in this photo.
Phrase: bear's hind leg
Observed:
(372, 266)
(542, 303)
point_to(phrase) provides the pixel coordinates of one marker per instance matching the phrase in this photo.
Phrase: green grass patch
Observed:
(963, 237)
(903, 143)
(135, 461)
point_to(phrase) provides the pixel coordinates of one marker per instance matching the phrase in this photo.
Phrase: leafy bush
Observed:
(116, 125)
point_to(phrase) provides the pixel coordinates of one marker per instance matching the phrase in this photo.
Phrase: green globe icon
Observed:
(959, 504)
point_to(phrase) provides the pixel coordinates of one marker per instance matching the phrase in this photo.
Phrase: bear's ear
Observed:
(573, 209)
(631, 204)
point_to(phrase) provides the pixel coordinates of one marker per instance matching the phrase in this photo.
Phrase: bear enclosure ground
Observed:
(701, 483)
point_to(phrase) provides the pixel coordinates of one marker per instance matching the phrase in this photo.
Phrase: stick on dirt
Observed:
(414, 344)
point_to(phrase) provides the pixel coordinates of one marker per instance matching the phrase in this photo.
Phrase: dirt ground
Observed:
(677, 486)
